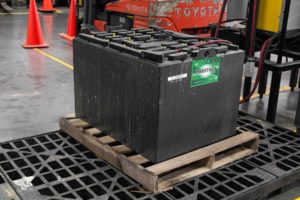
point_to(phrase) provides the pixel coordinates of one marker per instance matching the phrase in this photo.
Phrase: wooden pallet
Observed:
(160, 176)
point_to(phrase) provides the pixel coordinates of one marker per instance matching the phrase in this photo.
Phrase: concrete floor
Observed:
(36, 87)
(287, 103)
(286, 109)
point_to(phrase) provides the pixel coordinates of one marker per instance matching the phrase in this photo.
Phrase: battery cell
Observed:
(161, 102)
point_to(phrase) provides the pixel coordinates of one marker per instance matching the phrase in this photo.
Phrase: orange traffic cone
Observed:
(47, 6)
(34, 31)
(71, 29)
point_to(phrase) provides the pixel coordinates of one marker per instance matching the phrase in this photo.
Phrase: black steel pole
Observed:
(263, 80)
(297, 117)
(86, 11)
(294, 79)
(77, 18)
(250, 52)
(275, 85)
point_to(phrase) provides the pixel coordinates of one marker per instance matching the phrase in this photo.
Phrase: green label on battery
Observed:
(205, 71)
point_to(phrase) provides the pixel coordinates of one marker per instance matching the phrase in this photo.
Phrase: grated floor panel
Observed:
(55, 166)
(279, 149)
(224, 183)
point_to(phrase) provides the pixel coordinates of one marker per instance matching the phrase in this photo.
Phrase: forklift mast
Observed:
(90, 7)
(188, 16)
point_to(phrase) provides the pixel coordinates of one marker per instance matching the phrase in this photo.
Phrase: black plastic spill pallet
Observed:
(224, 183)
(55, 166)
(279, 149)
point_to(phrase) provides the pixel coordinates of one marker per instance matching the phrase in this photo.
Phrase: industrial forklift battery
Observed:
(161, 93)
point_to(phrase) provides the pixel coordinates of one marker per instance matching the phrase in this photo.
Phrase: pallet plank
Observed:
(106, 140)
(99, 149)
(231, 142)
(78, 123)
(181, 175)
(121, 149)
(232, 156)
(70, 116)
(138, 173)
(193, 156)
(138, 159)
(92, 131)
(179, 161)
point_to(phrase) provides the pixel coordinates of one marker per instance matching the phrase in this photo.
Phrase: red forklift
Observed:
(187, 16)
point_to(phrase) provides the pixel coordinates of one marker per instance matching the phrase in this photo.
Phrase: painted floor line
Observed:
(282, 89)
(58, 11)
(54, 58)
(14, 13)
(25, 13)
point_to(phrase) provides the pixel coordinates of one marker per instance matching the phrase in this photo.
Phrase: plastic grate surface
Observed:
(2, 180)
(224, 183)
(55, 166)
(279, 149)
